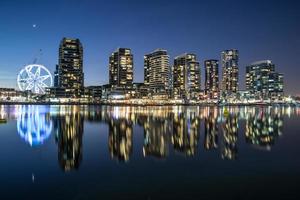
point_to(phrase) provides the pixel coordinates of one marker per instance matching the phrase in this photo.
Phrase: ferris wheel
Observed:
(33, 125)
(35, 78)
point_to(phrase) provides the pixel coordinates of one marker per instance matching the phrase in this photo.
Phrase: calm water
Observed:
(88, 152)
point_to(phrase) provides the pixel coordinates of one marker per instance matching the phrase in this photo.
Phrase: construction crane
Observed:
(38, 56)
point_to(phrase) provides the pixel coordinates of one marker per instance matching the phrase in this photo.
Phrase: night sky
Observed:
(258, 29)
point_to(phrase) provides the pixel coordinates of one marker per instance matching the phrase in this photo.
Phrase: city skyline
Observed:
(100, 39)
(140, 99)
(180, 81)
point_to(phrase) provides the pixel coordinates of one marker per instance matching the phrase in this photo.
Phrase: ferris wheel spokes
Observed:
(35, 78)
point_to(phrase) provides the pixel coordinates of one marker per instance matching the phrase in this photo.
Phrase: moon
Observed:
(34, 25)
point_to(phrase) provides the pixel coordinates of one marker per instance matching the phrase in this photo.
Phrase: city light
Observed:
(33, 125)
(35, 78)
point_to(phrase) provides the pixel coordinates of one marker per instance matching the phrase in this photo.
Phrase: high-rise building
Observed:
(230, 78)
(186, 77)
(262, 81)
(121, 68)
(157, 72)
(69, 72)
(56, 75)
(212, 78)
(276, 86)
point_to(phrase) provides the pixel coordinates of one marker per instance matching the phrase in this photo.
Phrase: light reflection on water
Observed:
(34, 124)
(149, 152)
(176, 127)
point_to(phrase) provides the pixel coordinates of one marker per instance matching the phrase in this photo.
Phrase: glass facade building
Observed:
(262, 81)
(230, 76)
(157, 72)
(211, 79)
(69, 71)
(186, 77)
(121, 68)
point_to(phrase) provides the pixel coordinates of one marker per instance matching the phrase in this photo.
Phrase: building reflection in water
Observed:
(230, 135)
(3, 115)
(33, 124)
(156, 131)
(263, 127)
(69, 131)
(120, 139)
(120, 135)
(211, 128)
(178, 126)
(186, 131)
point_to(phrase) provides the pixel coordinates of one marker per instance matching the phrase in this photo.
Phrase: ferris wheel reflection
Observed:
(33, 124)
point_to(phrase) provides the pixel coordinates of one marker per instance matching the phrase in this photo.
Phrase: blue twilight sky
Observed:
(259, 29)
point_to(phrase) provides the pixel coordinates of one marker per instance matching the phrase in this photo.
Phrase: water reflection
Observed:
(230, 136)
(34, 124)
(156, 132)
(120, 138)
(186, 131)
(211, 129)
(263, 128)
(69, 131)
(165, 129)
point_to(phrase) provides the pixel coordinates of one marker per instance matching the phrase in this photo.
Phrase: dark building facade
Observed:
(186, 77)
(262, 81)
(69, 72)
(93, 93)
(157, 72)
(56, 76)
(230, 76)
(212, 79)
(121, 68)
